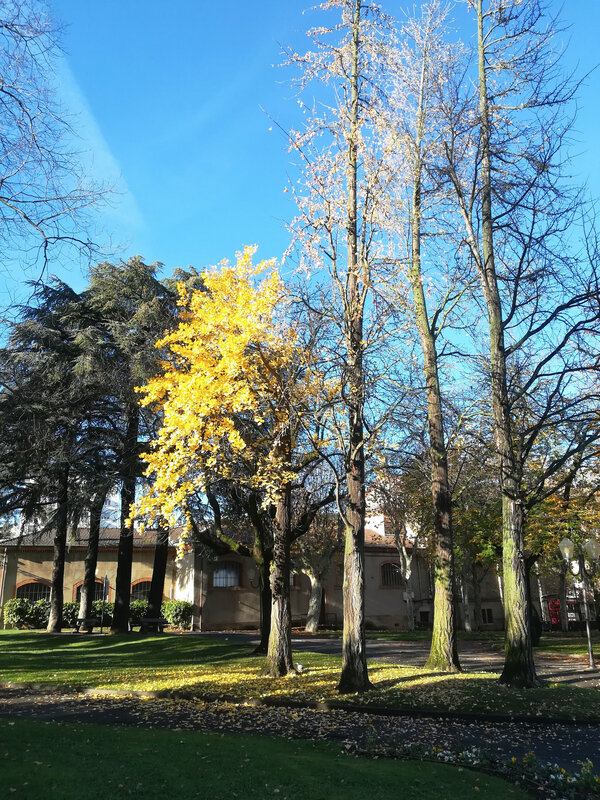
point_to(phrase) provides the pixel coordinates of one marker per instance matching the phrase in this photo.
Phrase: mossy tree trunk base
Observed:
(354, 676)
(279, 653)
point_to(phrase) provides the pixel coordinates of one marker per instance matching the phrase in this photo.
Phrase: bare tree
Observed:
(505, 161)
(414, 127)
(313, 554)
(400, 494)
(44, 197)
(336, 229)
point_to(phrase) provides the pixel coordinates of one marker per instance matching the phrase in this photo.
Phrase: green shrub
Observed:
(178, 613)
(137, 610)
(40, 613)
(70, 613)
(108, 610)
(23, 613)
(17, 611)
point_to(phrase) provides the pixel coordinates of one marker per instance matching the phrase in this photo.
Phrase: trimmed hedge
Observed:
(137, 610)
(109, 608)
(178, 613)
(23, 613)
(70, 613)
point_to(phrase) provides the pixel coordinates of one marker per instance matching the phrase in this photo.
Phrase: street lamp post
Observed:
(591, 549)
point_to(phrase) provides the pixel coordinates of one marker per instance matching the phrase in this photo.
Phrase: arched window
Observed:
(33, 590)
(227, 575)
(98, 591)
(391, 574)
(140, 590)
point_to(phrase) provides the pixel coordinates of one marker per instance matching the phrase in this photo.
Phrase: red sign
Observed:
(554, 609)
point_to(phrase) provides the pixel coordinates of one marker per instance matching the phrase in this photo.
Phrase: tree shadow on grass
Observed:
(67, 652)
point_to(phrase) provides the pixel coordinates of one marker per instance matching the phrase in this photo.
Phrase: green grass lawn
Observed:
(60, 761)
(211, 668)
(573, 644)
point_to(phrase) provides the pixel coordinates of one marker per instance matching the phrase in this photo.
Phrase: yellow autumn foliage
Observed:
(231, 367)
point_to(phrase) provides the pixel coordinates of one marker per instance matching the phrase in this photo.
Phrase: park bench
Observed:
(152, 624)
(88, 623)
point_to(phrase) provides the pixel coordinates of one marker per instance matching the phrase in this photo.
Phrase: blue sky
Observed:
(169, 96)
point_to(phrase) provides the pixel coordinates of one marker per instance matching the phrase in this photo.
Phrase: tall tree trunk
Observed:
(534, 620)
(540, 592)
(88, 587)
(159, 571)
(279, 654)
(562, 590)
(60, 549)
(466, 594)
(314, 603)
(410, 610)
(120, 623)
(266, 603)
(444, 652)
(354, 676)
(406, 562)
(477, 596)
(519, 669)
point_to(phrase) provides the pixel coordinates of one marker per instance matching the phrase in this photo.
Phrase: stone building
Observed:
(225, 591)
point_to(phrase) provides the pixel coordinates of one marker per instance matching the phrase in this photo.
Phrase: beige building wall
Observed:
(35, 564)
(238, 607)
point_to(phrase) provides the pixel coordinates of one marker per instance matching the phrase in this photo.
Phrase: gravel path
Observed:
(556, 742)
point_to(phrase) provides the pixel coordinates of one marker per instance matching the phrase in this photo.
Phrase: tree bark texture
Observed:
(266, 602)
(279, 654)
(477, 579)
(88, 587)
(314, 604)
(466, 594)
(519, 669)
(159, 571)
(120, 623)
(60, 547)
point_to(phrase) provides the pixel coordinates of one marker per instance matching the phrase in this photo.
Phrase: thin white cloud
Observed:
(123, 217)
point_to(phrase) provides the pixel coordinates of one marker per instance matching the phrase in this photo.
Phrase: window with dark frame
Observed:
(488, 616)
(339, 575)
(98, 591)
(227, 575)
(141, 590)
(391, 574)
(34, 591)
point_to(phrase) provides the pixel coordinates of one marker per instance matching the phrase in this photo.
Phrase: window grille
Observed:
(98, 591)
(34, 590)
(391, 574)
(226, 575)
(141, 590)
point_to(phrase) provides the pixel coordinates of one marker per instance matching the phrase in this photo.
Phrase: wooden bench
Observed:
(88, 623)
(152, 624)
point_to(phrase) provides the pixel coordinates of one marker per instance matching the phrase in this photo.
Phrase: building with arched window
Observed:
(26, 565)
(225, 590)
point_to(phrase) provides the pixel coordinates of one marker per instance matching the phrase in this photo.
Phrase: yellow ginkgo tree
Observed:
(235, 384)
